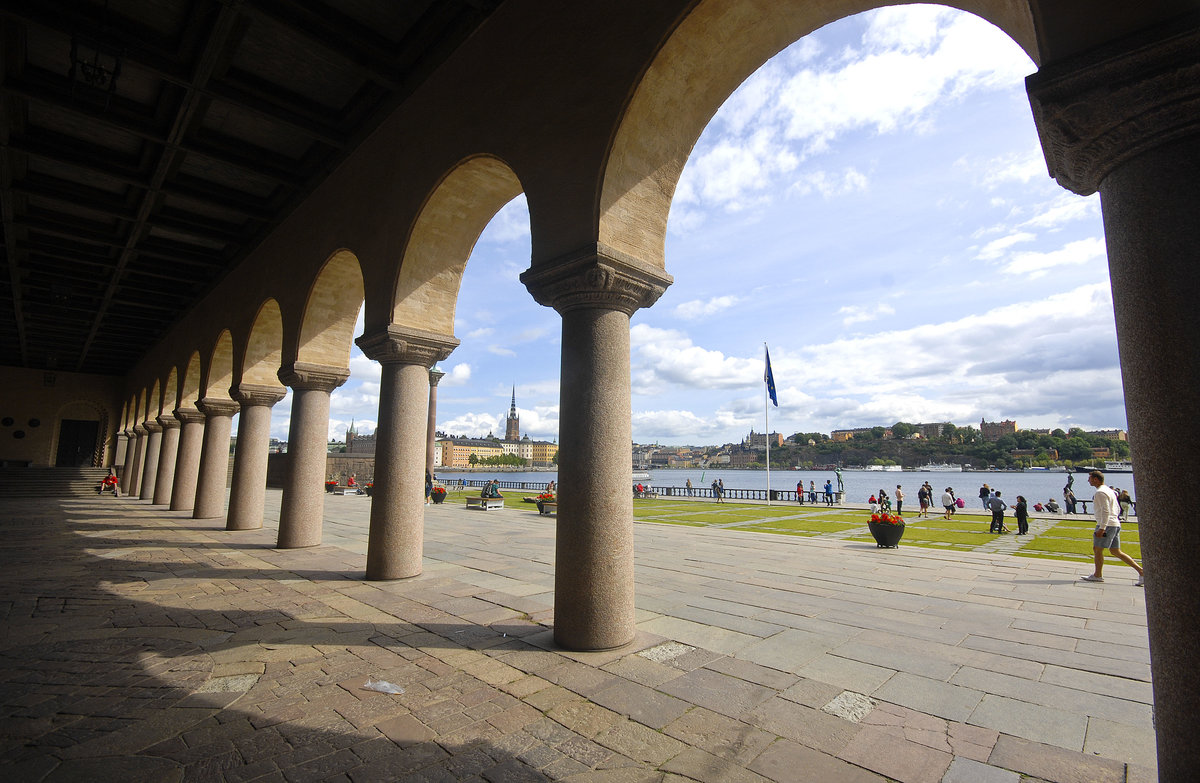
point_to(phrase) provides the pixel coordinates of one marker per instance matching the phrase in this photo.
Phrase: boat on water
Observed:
(1118, 466)
(940, 467)
(889, 468)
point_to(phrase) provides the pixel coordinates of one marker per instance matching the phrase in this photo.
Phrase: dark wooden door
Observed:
(76, 443)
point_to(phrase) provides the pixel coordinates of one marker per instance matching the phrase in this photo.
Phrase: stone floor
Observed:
(141, 645)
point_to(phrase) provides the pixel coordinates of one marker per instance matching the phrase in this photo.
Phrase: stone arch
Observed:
(154, 404)
(143, 406)
(170, 391)
(686, 83)
(189, 388)
(220, 368)
(264, 347)
(445, 232)
(330, 312)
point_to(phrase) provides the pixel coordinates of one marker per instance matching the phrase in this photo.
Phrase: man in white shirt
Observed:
(1108, 530)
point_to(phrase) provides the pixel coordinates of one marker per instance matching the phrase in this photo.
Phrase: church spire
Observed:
(512, 427)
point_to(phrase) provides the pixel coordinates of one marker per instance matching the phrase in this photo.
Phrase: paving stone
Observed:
(698, 765)
(1031, 721)
(967, 771)
(892, 756)
(1054, 763)
(790, 762)
(718, 692)
(948, 701)
(639, 742)
(803, 724)
(720, 735)
(640, 703)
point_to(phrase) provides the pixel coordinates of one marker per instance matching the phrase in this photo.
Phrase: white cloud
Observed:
(702, 308)
(665, 357)
(1067, 208)
(500, 350)
(1036, 264)
(861, 313)
(1021, 167)
(479, 333)
(510, 224)
(830, 185)
(458, 375)
(997, 247)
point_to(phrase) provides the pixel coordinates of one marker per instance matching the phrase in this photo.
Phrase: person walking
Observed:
(985, 495)
(1108, 531)
(948, 502)
(899, 501)
(689, 488)
(800, 492)
(997, 506)
(1021, 512)
(721, 488)
(812, 492)
(828, 492)
(923, 501)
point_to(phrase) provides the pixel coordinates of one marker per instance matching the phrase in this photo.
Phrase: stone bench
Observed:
(547, 507)
(486, 504)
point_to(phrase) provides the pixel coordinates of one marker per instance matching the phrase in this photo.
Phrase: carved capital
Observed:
(405, 345)
(189, 416)
(1106, 107)
(139, 430)
(152, 426)
(434, 377)
(249, 394)
(215, 406)
(168, 422)
(596, 277)
(306, 376)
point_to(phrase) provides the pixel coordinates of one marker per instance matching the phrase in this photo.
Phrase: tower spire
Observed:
(512, 427)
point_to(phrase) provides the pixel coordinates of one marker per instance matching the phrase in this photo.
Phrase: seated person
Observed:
(1038, 507)
(1052, 506)
(350, 482)
(491, 490)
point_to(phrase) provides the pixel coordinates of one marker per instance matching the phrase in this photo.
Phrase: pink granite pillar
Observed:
(431, 430)
(395, 542)
(139, 458)
(1123, 121)
(303, 504)
(214, 457)
(187, 461)
(167, 453)
(596, 292)
(248, 493)
(153, 449)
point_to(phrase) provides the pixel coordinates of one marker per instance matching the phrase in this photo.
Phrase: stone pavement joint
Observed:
(140, 644)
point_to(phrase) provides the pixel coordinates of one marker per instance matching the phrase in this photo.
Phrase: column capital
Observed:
(406, 345)
(189, 415)
(168, 422)
(216, 406)
(1105, 107)
(306, 376)
(139, 429)
(247, 394)
(434, 377)
(152, 426)
(596, 277)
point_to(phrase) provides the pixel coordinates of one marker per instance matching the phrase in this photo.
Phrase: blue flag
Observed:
(770, 379)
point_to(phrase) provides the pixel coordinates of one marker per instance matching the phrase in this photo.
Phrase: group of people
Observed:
(812, 491)
(491, 489)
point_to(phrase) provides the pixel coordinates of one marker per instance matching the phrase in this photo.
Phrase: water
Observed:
(1037, 486)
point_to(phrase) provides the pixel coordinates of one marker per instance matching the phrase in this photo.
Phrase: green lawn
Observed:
(1066, 540)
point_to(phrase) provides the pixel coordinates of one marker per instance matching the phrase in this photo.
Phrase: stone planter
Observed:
(437, 497)
(887, 536)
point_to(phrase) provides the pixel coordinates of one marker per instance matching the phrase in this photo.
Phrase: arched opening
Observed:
(189, 389)
(220, 368)
(264, 347)
(170, 392)
(327, 328)
(82, 428)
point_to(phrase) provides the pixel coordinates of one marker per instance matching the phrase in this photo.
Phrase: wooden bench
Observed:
(486, 504)
(548, 507)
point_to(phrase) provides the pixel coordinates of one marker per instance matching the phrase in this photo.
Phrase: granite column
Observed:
(431, 429)
(1126, 122)
(167, 455)
(134, 488)
(303, 504)
(153, 449)
(214, 457)
(395, 543)
(187, 462)
(596, 291)
(248, 494)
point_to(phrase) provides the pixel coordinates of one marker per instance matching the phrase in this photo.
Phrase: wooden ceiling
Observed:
(146, 146)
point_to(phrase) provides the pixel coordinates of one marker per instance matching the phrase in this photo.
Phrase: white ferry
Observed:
(889, 468)
(940, 467)
(1118, 466)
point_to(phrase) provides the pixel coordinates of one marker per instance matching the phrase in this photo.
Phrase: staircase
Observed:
(50, 482)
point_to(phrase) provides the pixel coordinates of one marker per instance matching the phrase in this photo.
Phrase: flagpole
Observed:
(767, 421)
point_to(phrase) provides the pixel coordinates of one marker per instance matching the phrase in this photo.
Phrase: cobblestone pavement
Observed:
(141, 645)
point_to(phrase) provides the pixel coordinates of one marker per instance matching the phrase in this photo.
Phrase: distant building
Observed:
(759, 440)
(522, 448)
(1110, 434)
(359, 444)
(512, 425)
(456, 452)
(543, 452)
(995, 430)
(931, 431)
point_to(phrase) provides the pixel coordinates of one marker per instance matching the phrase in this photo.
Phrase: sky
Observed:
(873, 204)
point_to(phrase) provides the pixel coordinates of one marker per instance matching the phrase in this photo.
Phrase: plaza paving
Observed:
(140, 644)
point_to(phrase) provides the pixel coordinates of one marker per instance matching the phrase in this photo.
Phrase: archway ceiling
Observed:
(121, 208)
